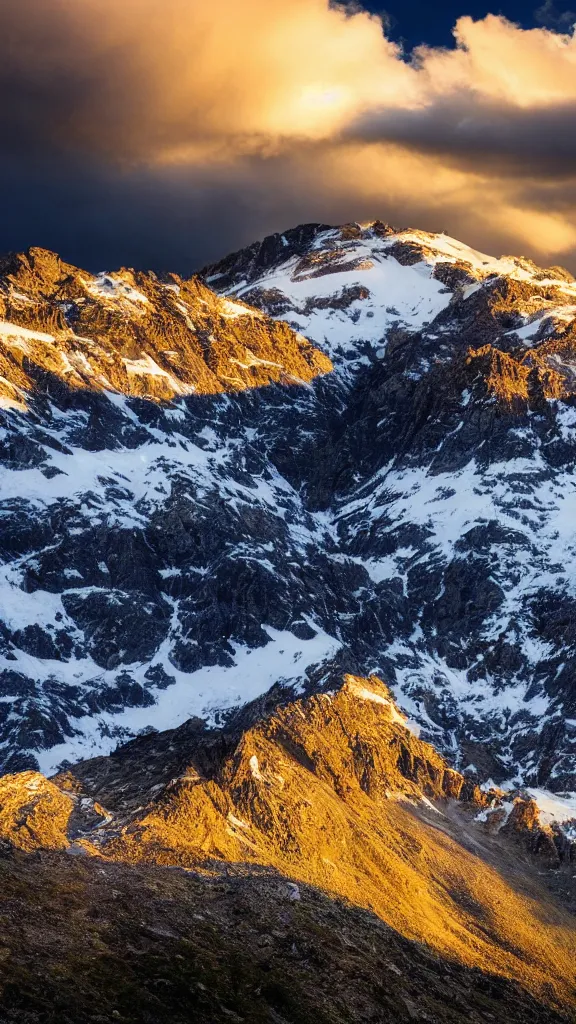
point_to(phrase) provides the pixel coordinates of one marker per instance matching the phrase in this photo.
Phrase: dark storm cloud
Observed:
(98, 217)
(169, 219)
(496, 138)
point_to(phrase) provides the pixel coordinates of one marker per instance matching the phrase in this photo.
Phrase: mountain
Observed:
(339, 450)
(309, 862)
(265, 534)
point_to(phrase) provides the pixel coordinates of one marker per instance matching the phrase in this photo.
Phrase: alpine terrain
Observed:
(288, 636)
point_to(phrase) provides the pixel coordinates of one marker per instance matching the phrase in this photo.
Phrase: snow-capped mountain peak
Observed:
(348, 288)
(357, 456)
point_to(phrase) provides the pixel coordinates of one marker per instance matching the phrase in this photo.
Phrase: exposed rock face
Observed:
(168, 553)
(518, 816)
(448, 479)
(287, 779)
(134, 334)
(34, 813)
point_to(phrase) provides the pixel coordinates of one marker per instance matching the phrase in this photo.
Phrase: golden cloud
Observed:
(464, 138)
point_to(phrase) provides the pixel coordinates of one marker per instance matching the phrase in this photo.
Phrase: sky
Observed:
(166, 135)
(414, 22)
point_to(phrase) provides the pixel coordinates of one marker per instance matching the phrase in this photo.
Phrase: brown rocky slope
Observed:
(325, 825)
(132, 333)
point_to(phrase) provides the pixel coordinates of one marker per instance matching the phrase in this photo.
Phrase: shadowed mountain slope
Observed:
(86, 942)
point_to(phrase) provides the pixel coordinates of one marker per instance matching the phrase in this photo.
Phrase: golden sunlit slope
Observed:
(334, 791)
(134, 334)
(328, 802)
(34, 813)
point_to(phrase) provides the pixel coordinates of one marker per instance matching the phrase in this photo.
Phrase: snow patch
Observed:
(554, 809)
(205, 693)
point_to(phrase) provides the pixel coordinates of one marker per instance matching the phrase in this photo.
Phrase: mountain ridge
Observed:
(201, 593)
(130, 332)
(400, 514)
(331, 794)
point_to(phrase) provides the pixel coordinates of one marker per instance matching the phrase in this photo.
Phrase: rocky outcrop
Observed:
(134, 334)
(34, 813)
(517, 816)
(328, 752)
(526, 380)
